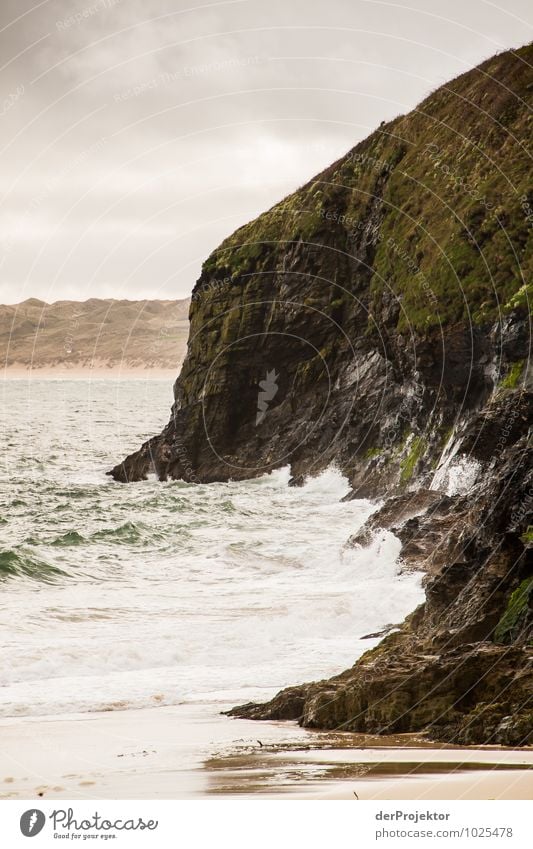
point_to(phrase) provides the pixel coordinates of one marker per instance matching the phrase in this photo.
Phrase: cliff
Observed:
(379, 318)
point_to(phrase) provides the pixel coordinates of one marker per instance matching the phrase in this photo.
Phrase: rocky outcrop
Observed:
(461, 666)
(450, 695)
(379, 318)
(385, 298)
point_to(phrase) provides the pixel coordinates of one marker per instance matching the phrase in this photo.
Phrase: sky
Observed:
(137, 134)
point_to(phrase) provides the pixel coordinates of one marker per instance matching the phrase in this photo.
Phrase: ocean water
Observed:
(117, 597)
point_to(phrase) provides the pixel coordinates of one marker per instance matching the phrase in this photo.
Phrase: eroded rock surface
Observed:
(461, 666)
(380, 319)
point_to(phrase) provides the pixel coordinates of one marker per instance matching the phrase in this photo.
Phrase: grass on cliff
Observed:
(409, 463)
(515, 613)
(512, 377)
(436, 205)
(528, 536)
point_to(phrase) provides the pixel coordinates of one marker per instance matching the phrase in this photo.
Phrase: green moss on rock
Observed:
(528, 536)
(522, 298)
(515, 613)
(512, 377)
(408, 464)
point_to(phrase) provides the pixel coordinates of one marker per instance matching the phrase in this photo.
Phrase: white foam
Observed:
(234, 589)
(456, 476)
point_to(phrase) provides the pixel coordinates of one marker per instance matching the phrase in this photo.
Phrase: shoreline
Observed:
(191, 751)
(99, 372)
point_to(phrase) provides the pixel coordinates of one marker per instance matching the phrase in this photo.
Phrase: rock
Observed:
(444, 672)
(415, 518)
(382, 633)
(287, 705)
(336, 329)
(375, 357)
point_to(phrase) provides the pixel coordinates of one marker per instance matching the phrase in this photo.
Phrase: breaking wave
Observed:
(132, 596)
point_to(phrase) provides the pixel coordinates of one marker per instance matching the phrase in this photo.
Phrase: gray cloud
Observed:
(136, 135)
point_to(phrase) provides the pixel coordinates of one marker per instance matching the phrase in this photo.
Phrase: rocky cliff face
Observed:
(380, 318)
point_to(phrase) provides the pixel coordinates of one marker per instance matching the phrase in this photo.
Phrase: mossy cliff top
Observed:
(390, 294)
(439, 201)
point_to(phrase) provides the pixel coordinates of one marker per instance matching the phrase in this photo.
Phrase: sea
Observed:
(121, 597)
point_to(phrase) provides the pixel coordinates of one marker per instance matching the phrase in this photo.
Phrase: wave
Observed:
(178, 593)
(17, 563)
(128, 532)
(70, 538)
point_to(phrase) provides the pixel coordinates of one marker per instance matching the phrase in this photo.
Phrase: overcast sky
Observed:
(136, 134)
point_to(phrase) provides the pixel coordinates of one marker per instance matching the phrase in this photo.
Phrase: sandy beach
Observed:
(97, 372)
(192, 752)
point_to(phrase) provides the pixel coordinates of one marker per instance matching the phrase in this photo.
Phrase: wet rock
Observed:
(444, 671)
(382, 633)
(334, 330)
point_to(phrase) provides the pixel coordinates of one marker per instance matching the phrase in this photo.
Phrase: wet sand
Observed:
(193, 752)
(98, 371)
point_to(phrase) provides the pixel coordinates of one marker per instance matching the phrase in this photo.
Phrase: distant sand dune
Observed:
(97, 336)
